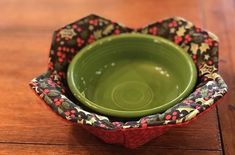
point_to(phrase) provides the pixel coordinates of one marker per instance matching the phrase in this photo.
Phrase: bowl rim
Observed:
(133, 113)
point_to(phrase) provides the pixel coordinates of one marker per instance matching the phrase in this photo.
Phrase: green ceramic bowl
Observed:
(131, 75)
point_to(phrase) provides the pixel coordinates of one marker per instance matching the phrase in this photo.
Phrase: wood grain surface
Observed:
(28, 127)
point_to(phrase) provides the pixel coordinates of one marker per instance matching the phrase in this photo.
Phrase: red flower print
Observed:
(197, 29)
(117, 124)
(93, 22)
(61, 59)
(74, 26)
(51, 83)
(80, 42)
(59, 48)
(143, 123)
(188, 101)
(168, 117)
(205, 79)
(116, 31)
(194, 56)
(72, 50)
(79, 29)
(172, 24)
(59, 54)
(67, 49)
(153, 30)
(91, 39)
(46, 91)
(210, 62)
(57, 39)
(187, 38)
(58, 101)
(102, 125)
(174, 117)
(61, 74)
(67, 113)
(178, 39)
(50, 65)
(73, 113)
(58, 83)
(70, 113)
(208, 41)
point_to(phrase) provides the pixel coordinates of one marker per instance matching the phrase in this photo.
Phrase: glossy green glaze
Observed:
(131, 75)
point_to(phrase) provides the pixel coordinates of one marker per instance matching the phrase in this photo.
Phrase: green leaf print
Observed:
(65, 105)
(54, 93)
(108, 29)
(97, 34)
(47, 99)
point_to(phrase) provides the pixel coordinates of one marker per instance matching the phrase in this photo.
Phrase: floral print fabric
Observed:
(201, 45)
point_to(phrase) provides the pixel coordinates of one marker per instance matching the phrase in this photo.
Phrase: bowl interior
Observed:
(131, 75)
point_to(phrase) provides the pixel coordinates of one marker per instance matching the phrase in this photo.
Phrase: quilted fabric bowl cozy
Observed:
(201, 45)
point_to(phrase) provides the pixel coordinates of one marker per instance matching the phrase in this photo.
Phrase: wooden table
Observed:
(26, 124)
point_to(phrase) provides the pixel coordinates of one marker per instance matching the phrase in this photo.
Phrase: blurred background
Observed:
(26, 27)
